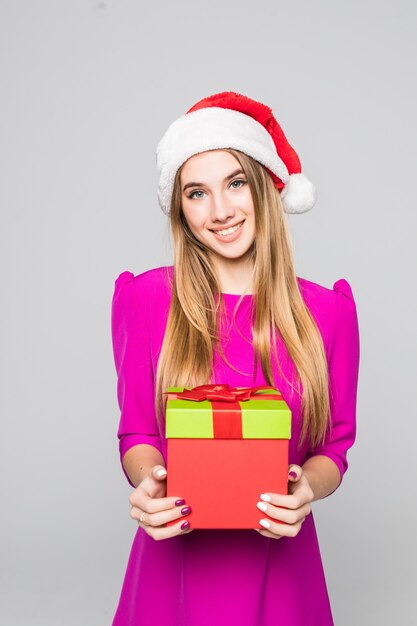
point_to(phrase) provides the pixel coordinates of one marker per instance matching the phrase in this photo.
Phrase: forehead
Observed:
(210, 164)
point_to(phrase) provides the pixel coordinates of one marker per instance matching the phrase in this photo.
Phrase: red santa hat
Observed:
(232, 120)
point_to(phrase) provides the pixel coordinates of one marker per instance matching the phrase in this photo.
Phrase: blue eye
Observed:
(238, 181)
(243, 182)
(194, 192)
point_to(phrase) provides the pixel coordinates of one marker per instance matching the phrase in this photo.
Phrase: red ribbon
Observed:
(227, 412)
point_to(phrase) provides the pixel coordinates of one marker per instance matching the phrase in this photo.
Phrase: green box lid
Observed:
(261, 419)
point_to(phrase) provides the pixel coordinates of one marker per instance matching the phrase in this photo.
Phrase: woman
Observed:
(227, 175)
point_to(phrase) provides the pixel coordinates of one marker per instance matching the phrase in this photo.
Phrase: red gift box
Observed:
(225, 446)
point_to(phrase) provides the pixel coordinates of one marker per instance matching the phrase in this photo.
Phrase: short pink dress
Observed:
(227, 577)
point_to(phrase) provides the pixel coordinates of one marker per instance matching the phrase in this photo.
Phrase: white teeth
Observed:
(229, 231)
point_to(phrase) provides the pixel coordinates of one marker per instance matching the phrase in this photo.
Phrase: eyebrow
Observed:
(232, 175)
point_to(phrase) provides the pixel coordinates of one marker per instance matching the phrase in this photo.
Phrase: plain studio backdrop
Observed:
(87, 90)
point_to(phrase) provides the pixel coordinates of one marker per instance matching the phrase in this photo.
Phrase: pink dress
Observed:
(227, 577)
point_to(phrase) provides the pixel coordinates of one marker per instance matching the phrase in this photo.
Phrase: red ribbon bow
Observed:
(227, 413)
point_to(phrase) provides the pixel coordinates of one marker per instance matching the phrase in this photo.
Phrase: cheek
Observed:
(248, 199)
(195, 219)
(194, 224)
(250, 218)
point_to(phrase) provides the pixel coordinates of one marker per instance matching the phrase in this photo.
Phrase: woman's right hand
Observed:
(149, 497)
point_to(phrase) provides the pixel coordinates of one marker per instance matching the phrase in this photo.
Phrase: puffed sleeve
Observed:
(130, 328)
(343, 359)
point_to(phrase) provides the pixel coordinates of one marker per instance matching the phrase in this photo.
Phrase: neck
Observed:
(235, 275)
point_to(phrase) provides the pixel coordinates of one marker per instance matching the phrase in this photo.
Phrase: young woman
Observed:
(231, 310)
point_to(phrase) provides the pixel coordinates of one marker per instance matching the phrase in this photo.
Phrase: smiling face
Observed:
(217, 203)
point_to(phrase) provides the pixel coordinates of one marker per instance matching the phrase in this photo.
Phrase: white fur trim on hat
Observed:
(212, 128)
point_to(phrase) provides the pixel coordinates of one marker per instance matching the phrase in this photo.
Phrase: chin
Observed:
(234, 254)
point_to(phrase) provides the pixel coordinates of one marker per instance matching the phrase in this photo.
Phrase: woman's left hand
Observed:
(296, 506)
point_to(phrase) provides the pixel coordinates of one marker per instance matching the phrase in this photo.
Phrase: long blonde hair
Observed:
(192, 333)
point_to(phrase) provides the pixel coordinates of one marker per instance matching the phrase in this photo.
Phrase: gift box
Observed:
(225, 446)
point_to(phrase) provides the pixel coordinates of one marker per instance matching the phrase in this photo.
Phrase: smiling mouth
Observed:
(228, 231)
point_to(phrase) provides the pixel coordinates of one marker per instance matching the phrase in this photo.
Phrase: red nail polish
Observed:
(292, 474)
(179, 502)
(185, 526)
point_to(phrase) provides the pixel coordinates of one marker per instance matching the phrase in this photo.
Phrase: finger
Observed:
(141, 499)
(159, 472)
(288, 516)
(286, 530)
(137, 514)
(290, 501)
(165, 532)
(294, 472)
(266, 533)
(161, 517)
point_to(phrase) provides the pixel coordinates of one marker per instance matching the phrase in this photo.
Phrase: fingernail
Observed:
(264, 496)
(265, 523)
(185, 526)
(262, 506)
(292, 474)
(186, 510)
(179, 502)
(161, 472)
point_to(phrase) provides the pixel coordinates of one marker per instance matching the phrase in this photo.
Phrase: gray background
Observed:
(87, 90)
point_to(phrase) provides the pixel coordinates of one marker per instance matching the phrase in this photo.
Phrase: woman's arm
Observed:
(322, 474)
(130, 327)
(139, 459)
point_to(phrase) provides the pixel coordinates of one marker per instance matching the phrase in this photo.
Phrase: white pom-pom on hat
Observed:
(299, 195)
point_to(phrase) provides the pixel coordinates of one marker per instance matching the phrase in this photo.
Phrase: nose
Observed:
(221, 209)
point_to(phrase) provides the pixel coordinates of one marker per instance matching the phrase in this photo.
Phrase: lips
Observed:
(216, 230)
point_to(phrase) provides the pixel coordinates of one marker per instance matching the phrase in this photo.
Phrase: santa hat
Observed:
(232, 120)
